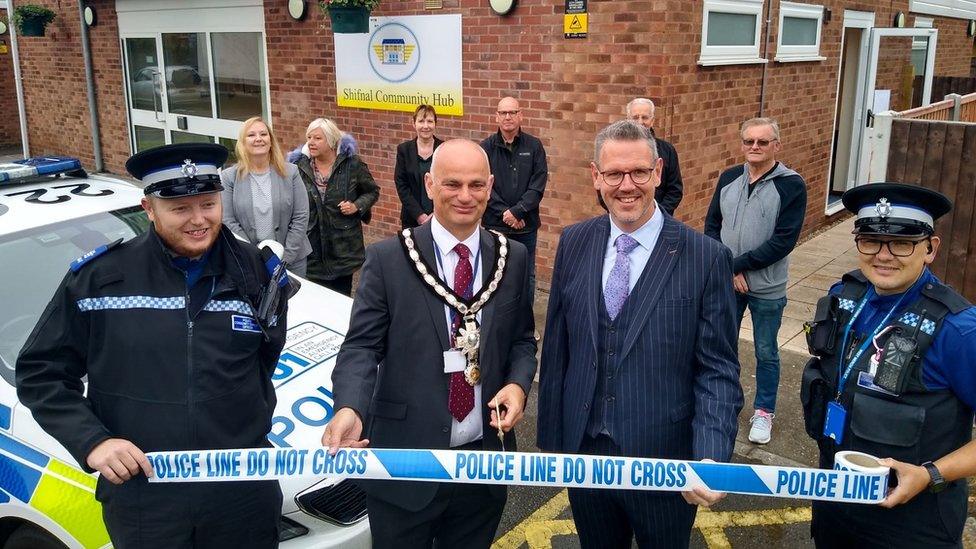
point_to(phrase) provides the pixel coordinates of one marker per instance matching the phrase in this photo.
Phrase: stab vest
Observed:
(915, 426)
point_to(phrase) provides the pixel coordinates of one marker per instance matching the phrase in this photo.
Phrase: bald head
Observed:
(459, 184)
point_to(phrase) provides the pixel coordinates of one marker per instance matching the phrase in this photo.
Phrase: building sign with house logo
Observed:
(402, 62)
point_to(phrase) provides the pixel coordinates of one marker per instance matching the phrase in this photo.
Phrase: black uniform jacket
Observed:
(160, 374)
(520, 174)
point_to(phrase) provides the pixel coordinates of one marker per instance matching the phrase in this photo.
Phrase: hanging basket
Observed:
(33, 27)
(349, 20)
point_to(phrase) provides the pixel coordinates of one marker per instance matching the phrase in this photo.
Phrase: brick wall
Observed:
(568, 89)
(9, 121)
(955, 53)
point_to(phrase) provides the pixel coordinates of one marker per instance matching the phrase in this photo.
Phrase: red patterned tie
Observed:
(460, 399)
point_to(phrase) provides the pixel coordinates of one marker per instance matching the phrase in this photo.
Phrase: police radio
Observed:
(899, 352)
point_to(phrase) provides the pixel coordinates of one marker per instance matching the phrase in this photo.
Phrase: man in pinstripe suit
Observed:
(640, 354)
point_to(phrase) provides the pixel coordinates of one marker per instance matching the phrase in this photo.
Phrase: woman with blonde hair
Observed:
(341, 192)
(263, 196)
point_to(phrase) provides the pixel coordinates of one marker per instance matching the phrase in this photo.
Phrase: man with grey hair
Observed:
(669, 192)
(757, 211)
(640, 348)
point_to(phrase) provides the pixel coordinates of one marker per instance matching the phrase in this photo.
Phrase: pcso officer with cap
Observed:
(165, 328)
(893, 375)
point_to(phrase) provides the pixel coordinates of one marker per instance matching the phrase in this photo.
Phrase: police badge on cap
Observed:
(895, 209)
(175, 171)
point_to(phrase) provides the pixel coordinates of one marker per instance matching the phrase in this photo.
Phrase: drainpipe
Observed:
(765, 54)
(18, 81)
(90, 84)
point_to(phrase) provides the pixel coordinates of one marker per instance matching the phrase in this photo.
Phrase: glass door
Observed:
(194, 86)
(898, 77)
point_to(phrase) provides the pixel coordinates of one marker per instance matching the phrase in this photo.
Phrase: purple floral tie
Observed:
(618, 285)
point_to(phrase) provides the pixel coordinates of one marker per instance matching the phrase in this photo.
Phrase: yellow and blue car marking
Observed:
(61, 492)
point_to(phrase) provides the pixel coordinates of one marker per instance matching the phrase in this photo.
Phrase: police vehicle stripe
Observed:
(164, 303)
(519, 469)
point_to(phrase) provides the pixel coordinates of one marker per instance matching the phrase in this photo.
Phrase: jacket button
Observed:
(446, 429)
(928, 286)
(593, 364)
(586, 406)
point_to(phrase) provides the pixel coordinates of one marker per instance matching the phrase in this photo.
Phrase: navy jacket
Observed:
(679, 357)
(520, 181)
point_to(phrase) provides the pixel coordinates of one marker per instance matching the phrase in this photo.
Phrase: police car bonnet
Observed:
(175, 171)
(895, 209)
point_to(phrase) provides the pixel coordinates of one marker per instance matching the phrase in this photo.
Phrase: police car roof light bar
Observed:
(28, 168)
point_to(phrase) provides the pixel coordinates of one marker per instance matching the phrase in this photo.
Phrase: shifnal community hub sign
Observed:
(400, 63)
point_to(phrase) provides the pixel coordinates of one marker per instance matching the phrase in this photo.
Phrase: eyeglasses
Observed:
(897, 248)
(504, 114)
(639, 176)
(763, 143)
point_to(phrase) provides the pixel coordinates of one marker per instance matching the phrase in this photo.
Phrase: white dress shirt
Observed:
(646, 237)
(471, 427)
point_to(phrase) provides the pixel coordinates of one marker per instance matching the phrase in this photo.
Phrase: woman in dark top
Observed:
(412, 162)
(341, 192)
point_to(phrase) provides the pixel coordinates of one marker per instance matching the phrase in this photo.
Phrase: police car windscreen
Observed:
(35, 261)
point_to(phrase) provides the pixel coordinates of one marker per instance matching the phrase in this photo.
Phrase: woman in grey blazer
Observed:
(264, 197)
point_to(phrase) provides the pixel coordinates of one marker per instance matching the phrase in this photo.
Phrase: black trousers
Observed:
(214, 515)
(342, 285)
(613, 518)
(929, 521)
(460, 515)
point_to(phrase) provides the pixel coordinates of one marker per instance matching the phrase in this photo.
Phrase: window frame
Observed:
(731, 55)
(793, 54)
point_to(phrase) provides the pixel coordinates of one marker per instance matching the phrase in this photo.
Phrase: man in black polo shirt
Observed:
(518, 163)
(670, 191)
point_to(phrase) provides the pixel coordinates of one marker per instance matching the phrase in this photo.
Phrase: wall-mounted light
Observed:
(899, 22)
(971, 28)
(91, 19)
(826, 15)
(502, 7)
(3, 27)
(297, 9)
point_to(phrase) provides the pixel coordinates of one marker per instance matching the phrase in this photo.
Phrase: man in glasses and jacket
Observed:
(757, 211)
(894, 376)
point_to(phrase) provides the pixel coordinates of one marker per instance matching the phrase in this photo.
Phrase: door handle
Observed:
(869, 119)
(157, 89)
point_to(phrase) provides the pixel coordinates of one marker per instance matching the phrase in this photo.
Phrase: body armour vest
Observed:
(914, 424)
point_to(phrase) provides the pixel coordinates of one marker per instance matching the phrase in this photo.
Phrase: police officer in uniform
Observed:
(166, 328)
(893, 373)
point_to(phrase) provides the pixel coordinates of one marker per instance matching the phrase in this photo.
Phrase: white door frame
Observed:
(857, 20)
(870, 139)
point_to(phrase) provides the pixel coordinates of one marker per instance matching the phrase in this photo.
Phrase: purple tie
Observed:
(618, 285)
(460, 397)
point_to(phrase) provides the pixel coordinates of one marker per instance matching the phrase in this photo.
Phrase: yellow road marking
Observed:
(538, 529)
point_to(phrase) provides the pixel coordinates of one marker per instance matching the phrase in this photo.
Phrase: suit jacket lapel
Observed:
(424, 242)
(488, 313)
(653, 279)
(594, 273)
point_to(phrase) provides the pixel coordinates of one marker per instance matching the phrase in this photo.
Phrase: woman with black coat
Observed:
(412, 162)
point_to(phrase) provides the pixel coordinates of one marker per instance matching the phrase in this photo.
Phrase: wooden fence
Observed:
(943, 110)
(942, 156)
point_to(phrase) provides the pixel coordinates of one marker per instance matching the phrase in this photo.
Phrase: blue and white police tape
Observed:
(522, 469)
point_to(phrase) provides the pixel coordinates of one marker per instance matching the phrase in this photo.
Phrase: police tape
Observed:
(520, 469)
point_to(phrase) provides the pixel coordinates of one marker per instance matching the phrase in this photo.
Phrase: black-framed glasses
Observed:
(897, 248)
(503, 114)
(763, 143)
(639, 176)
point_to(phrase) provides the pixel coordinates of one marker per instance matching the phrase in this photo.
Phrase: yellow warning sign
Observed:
(575, 25)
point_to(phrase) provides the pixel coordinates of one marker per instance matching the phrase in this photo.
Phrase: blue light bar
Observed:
(19, 170)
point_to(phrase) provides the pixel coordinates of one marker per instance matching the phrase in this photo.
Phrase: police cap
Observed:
(895, 209)
(175, 171)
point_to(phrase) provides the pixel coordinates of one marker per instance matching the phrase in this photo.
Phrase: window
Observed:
(730, 32)
(799, 32)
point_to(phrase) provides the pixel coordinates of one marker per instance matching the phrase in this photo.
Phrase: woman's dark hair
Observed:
(423, 109)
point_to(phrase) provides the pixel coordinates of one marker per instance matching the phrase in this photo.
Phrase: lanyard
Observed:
(470, 288)
(867, 341)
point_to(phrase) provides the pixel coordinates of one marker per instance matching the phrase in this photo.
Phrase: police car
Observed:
(52, 212)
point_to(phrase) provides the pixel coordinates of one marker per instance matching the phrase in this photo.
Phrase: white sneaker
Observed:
(762, 427)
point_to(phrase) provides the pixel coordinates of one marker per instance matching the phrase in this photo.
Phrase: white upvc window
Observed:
(799, 32)
(731, 32)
